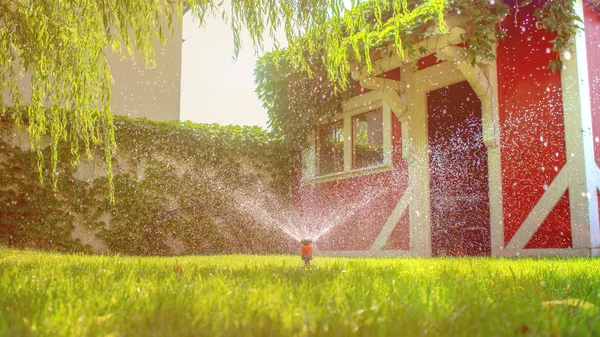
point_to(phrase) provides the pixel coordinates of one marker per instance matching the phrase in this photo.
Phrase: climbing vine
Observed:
(595, 4)
(176, 184)
(555, 17)
(299, 94)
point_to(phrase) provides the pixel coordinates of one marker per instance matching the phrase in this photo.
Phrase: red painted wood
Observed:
(428, 61)
(591, 18)
(399, 238)
(531, 118)
(458, 175)
(393, 74)
(555, 231)
(359, 230)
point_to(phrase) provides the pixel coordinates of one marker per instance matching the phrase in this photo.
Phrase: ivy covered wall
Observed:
(180, 188)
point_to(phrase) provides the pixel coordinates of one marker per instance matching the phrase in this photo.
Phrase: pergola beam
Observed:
(378, 83)
(393, 60)
(482, 87)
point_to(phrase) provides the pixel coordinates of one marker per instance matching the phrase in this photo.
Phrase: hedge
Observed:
(180, 188)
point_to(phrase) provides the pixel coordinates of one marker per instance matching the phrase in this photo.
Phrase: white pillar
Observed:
(418, 169)
(579, 142)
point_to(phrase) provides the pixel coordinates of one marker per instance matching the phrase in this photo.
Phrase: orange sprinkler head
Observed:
(306, 251)
(180, 269)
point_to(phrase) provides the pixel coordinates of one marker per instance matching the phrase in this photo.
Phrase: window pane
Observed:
(331, 148)
(367, 139)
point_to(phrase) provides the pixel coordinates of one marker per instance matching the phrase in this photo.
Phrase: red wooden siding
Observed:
(555, 231)
(428, 61)
(532, 128)
(458, 173)
(359, 230)
(399, 238)
(592, 36)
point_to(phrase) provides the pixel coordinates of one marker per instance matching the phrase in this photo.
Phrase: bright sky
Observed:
(214, 87)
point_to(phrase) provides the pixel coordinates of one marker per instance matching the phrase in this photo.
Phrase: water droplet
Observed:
(566, 55)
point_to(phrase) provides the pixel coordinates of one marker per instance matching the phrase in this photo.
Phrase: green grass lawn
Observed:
(73, 295)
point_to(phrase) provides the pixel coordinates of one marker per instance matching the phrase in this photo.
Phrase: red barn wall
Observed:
(458, 174)
(532, 129)
(381, 191)
(533, 149)
(359, 230)
(591, 17)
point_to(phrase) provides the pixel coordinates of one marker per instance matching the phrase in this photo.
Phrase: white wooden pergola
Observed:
(407, 97)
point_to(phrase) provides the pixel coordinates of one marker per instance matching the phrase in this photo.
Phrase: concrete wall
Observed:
(151, 93)
(138, 91)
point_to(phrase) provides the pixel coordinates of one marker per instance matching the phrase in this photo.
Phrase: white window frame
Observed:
(355, 106)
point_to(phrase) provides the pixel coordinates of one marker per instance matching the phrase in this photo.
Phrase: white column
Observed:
(347, 122)
(418, 169)
(580, 152)
(387, 133)
(495, 168)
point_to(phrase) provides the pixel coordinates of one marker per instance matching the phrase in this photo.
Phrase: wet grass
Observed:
(73, 295)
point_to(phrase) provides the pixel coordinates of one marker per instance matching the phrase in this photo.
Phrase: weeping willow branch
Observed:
(61, 47)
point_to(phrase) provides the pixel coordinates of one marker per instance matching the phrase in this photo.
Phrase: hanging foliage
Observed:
(61, 47)
(299, 95)
(290, 82)
(177, 189)
(595, 4)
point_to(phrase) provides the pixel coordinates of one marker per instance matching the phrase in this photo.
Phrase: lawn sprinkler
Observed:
(179, 269)
(306, 251)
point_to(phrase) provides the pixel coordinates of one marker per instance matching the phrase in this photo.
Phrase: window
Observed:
(367, 139)
(331, 148)
(357, 142)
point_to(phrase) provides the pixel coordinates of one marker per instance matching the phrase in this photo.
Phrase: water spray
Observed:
(306, 251)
